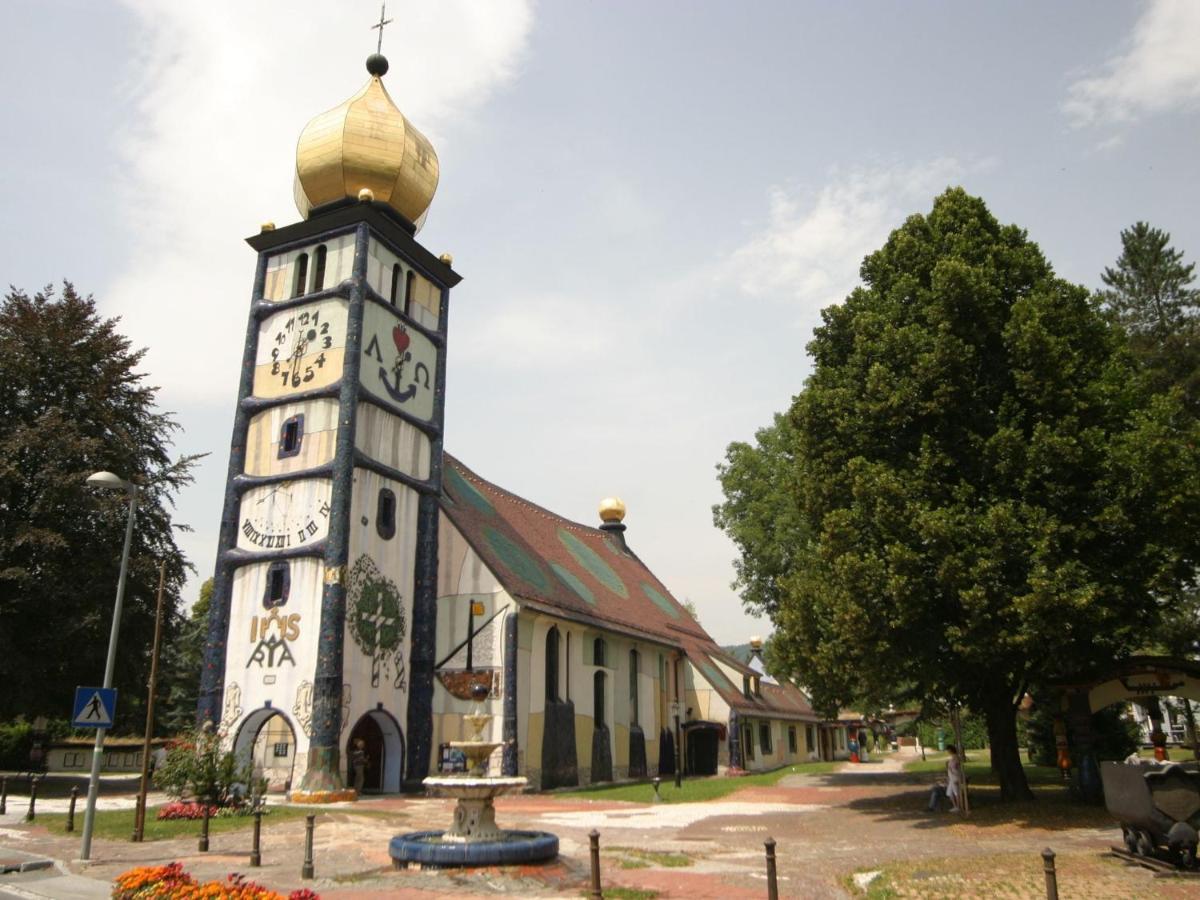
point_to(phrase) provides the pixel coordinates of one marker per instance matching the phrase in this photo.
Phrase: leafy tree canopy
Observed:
(973, 488)
(72, 403)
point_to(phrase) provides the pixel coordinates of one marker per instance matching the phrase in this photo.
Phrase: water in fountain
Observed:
(473, 838)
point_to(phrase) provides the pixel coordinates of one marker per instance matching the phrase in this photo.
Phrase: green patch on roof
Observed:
(715, 675)
(516, 560)
(660, 601)
(613, 547)
(568, 578)
(464, 490)
(590, 560)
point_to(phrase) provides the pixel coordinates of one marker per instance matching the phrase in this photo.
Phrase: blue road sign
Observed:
(94, 707)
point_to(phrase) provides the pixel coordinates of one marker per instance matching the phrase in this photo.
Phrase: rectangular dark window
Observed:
(385, 514)
(810, 738)
(791, 738)
(279, 583)
(291, 435)
(764, 737)
(281, 749)
(748, 742)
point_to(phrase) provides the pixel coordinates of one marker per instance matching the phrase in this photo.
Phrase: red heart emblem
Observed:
(400, 338)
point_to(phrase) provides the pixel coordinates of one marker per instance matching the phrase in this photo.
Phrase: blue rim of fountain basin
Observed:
(427, 848)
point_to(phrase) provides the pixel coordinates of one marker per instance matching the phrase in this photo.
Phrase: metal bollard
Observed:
(3, 794)
(656, 782)
(594, 842)
(310, 821)
(255, 851)
(772, 885)
(71, 809)
(1051, 874)
(33, 786)
(204, 829)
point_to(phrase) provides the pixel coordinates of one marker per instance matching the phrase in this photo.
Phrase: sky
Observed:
(650, 202)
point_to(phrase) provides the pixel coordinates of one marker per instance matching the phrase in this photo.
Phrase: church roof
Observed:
(588, 575)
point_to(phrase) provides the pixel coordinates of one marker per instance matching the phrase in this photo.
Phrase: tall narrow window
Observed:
(291, 435)
(385, 514)
(598, 652)
(633, 687)
(552, 665)
(791, 738)
(396, 270)
(410, 280)
(300, 281)
(598, 697)
(567, 670)
(748, 742)
(764, 733)
(319, 268)
(278, 585)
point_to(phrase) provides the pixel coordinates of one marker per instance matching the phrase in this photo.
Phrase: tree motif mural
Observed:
(375, 617)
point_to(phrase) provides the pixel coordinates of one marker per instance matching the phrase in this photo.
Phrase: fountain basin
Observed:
(430, 848)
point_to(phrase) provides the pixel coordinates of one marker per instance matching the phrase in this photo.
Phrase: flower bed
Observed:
(187, 811)
(171, 882)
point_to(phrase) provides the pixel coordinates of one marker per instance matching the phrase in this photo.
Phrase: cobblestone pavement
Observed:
(861, 819)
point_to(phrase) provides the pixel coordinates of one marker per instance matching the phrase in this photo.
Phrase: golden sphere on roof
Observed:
(366, 195)
(612, 509)
(366, 144)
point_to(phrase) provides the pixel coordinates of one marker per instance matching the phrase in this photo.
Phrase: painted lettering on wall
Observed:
(272, 634)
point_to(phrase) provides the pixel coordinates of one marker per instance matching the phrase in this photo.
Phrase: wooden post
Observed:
(3, 794)
(33, 786)
(772, 883)
(139, 815)
(204, 828)
(256, 850)
(1051, 874)
(71, 809)
(310, 821)
(594, 845)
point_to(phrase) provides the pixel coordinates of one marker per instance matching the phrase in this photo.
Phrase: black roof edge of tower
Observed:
(349, 212)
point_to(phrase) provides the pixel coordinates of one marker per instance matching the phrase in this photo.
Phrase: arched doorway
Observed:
(703, 741)
(383, 742)
(266, 738)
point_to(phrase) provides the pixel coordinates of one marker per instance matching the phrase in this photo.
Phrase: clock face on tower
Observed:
(398, 364)
(300, 349)
(282, 516)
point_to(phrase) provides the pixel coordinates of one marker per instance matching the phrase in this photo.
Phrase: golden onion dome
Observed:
(366, 145)
(612, 509)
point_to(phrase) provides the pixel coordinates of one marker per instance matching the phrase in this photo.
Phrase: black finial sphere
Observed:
(377, 64)
(479, 692)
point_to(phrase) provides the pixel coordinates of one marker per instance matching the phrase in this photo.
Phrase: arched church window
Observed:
(300, 281)
(410, 280)
(396, 270)
(598, 652)
(319, 268)
(633, 687)
(552, 665)
(385, 514)
(598, 697)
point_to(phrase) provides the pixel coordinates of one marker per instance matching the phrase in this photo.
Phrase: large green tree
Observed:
(984, 495)
(1149, 293)
(73, 402)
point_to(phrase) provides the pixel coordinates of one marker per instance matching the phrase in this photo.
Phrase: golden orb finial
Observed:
(367, 144)
(612, 509)
(366, 195)
(447, 258)
(756, 642)
(267, 226)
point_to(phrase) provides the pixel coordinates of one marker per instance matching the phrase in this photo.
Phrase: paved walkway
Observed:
(860, 818)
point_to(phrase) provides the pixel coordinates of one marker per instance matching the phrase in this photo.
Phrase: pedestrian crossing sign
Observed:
(94, 707)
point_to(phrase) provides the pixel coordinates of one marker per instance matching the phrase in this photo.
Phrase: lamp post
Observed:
(109, 481)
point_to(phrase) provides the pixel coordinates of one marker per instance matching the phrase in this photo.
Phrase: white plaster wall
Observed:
(392, 441)
(316, 444)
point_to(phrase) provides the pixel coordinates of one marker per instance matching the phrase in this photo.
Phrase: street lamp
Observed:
(109, 481)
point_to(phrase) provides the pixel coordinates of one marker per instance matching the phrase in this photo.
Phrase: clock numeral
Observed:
(323, 509)
(324, 328)
(309, 374)
(320, 361)
(326, 343)
(274, 368)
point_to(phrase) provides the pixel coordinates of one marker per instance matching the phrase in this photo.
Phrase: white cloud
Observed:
(809, 251)
(219, 98)
(1158, 70)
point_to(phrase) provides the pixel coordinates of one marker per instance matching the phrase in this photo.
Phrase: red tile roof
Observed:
(586, 574)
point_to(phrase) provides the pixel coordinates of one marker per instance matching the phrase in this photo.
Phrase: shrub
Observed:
(196, 766)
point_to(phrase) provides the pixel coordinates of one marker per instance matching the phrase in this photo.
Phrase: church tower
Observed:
(323, 618)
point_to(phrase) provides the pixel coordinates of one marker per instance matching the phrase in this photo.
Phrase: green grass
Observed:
(637, 858)
(625, 893)
(978, 768)
(695, 790)
(117, 824)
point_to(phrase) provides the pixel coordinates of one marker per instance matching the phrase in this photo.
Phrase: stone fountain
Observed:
(473, 838)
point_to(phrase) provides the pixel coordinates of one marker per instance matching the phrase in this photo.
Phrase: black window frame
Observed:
(385, 514)
(296, 422)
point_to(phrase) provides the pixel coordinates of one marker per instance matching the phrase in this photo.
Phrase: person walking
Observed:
(954, 778)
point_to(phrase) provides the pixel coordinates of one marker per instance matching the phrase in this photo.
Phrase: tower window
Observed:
(396, 270)
(279, 583)
(410, 279)
(300, 282)
(290, 436)
(385, 514)
(319, 268)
